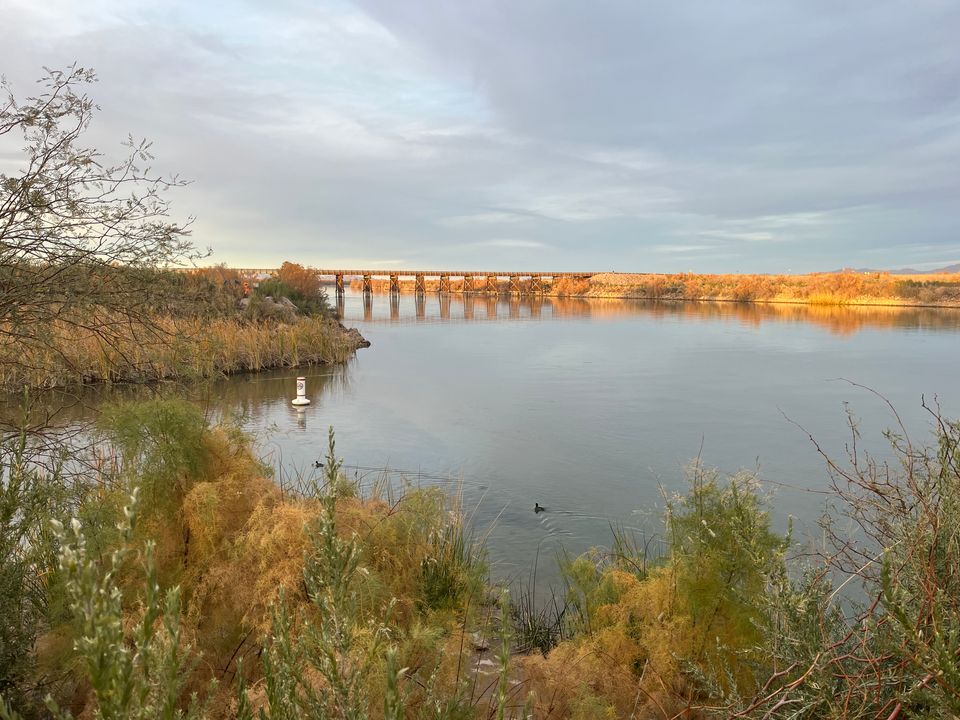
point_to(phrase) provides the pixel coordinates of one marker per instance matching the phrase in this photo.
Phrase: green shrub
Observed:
(161, 445)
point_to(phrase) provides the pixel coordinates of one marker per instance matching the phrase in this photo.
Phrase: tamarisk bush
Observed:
(895, 652)
(134, 675)
(336, 644)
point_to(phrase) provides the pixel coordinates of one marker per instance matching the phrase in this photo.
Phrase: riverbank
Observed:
(327, 598)
(172, 348)
(845, 288)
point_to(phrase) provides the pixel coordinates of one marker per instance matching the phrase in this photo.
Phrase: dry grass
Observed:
(231, 538)
(183, 348)
(817, 288)
(844, 288)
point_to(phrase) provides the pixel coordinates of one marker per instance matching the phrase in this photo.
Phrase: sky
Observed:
(705, 136)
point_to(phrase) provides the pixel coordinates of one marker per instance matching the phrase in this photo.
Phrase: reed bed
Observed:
(175, 349)
(842, 288)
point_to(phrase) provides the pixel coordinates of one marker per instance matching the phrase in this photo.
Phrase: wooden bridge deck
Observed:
(381, 273)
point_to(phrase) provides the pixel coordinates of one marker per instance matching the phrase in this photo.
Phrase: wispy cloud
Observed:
(372, 130)
(512, 243)
(493, 217)
(735, 235)
(682, 249)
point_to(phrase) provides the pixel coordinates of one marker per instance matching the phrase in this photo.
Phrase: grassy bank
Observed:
(301, 602)
(195, 325)
(172, 349)
(188, 573)
(847, 288)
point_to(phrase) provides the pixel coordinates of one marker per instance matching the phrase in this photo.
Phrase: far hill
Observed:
(946, 270)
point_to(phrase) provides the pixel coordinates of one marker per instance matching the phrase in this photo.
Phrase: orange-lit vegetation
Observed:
(173, 349)
(198, 329)
(328, 601)
(722, 623)
(818, 288)
(242, 552)
(843, 288)
(649, 635)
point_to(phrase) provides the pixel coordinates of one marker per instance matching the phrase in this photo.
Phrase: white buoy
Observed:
(301, 398)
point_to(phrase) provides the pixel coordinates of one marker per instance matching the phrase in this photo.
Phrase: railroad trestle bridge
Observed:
(480, 281)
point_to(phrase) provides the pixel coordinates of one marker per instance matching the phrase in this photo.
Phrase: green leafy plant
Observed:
(133, 674)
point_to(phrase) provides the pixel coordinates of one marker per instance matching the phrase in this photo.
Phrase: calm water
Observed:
(593, 408)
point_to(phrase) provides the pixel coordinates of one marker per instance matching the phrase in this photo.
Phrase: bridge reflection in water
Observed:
(396, 308)
(418, 308)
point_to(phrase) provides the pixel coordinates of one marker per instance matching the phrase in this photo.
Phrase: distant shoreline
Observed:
(849, 289)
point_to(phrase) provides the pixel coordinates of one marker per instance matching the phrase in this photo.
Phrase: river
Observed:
(593, 408)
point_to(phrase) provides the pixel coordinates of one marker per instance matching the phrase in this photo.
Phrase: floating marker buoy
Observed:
(301, 398)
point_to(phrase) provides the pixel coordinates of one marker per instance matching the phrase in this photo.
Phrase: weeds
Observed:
(839, 288)
(378, 596)
(175, 348)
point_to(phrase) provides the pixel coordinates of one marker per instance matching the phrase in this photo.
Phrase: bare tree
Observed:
(82, 240)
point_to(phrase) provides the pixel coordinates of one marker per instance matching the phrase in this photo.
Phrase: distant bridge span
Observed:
(489, 278)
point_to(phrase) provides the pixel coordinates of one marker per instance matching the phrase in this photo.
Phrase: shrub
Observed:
(649, 635)
(892, 650)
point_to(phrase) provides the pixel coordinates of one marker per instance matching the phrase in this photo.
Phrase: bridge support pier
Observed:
(514, 286)
(536, 285)
(394, 284)
(492, 283)
(467, 284)
(444, 283)
(419, 285)
(339, 285)
(367, 285)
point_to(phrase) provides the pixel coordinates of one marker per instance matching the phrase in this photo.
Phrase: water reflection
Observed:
(589, 407)
(836, 319)
(255, 399)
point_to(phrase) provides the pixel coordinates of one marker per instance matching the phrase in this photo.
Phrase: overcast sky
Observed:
(669, 136)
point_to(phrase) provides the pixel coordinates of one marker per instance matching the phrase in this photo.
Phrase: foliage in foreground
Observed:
(316, 605)
(723, 626)
(222, 597)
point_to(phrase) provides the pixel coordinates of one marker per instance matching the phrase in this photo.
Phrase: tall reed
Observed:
(178, 348)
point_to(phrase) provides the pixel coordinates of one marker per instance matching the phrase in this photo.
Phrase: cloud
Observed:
(493, 217)
(682, 249)
(512, 243)
(755, 135)
(733, 235)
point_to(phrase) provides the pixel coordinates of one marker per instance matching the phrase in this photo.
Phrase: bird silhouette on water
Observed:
(317, 464)
(538, 508)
